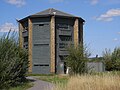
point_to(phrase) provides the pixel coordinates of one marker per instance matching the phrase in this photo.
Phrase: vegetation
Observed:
(112, 59)
(55, 79)
(13, 61)
(77, 58)
(105, 81)
(23, 86)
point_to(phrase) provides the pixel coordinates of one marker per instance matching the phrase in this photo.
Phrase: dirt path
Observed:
(39, 84)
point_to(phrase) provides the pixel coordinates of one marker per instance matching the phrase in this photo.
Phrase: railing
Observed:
(25, 33)
(65, 32)
(63, 52)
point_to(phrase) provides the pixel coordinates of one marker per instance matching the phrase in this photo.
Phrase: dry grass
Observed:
(91, 82)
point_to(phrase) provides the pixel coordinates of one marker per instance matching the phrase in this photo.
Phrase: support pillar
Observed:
(81, 34)
(30, 45)
(76, 32)
(52, 45)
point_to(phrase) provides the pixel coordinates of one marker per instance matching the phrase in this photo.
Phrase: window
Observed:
(25, 46)
(65, 38)
(41, 64)
(62, 58)
(41, 24)
(26, 39)
(41, 44)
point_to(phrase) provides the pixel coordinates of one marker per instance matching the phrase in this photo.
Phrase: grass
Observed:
(52, 78)
(105, 81)
(93, 81)
(24, 86)
(41, 74)
(55, 79)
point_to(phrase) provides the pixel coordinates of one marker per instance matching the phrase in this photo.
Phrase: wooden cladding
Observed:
(81, 34)
(30, 44)
(52, 45)
(76, 32)
(20, 35)
(41, 36)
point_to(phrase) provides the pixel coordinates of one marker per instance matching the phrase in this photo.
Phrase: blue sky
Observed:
(101, 29)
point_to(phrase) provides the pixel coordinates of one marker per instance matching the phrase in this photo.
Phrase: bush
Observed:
(112, 59)
(13, 61)
(77, 58)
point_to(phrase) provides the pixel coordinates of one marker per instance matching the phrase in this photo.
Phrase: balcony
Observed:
(65, 32)
(63, 52)
(64, 44)
(25, 33)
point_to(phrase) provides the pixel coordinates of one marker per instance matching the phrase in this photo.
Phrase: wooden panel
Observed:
(30, 44)
(76, 32)
(20, 35)
(41, 69)
(64, 28)
(81, 34)
(41, 47)
(52, 44)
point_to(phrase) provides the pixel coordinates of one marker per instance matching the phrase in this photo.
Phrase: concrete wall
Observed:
(96, 66)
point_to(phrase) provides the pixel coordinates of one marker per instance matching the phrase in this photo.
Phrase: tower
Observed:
(46, 35)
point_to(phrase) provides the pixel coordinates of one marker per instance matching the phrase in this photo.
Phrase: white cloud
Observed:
(18, 3)
(115, 39)
(94, 2)
(8, 26)
(55, 1)
(108, 16)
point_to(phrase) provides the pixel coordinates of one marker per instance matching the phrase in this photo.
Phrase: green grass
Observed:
(54, 78)
(22, 86)
(41, 74)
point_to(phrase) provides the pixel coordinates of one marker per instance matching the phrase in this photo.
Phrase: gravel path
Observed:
(39, 84)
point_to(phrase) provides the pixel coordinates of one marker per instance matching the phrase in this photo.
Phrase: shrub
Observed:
(112, 59)
(77, 58)
(13, 61)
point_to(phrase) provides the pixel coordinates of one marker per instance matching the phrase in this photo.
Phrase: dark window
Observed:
(40, 44)
(41, 24)
(25, 46)
(41, 64)
(65, 38)
(26, 39)
(62, 58)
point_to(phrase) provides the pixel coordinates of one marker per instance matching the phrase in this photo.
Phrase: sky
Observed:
(102, 18)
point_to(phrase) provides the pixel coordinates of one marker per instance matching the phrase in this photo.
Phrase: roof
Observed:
(51, 12)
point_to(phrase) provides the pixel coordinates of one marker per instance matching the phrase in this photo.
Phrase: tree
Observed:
(77, 58)
(112, 59)
(13, 61)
